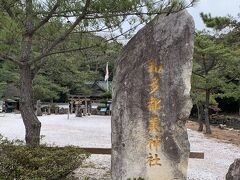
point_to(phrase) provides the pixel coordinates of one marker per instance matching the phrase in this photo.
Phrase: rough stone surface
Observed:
(151, 100)
(234, 171)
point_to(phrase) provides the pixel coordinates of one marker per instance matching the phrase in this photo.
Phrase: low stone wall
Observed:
(230, 121)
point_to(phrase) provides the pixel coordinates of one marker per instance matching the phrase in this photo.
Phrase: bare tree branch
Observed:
(233, 78)
(70, 50)
(91, 31)
(46, 19)
(60, 13)
(196, 89)
(8, 58)
(97, 15)
(199, 74)
(64, 35)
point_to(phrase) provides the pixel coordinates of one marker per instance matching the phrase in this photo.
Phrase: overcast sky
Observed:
(216, 8)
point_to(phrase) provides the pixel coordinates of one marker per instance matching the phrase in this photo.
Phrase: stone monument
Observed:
(151, 101)
(234, 170)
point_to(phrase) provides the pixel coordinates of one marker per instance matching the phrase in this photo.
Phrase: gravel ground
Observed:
(95, 131)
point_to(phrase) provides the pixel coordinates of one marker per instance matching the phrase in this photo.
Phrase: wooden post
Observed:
(68, 113)
(49, 110)
(71, 104)
(85, 109)
(56, 110)
(88, 102)
(78, 108)
(90, 107)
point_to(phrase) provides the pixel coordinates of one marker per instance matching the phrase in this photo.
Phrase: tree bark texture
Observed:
(31, 122)
(206, 111)
(200, 116)
(239, 108)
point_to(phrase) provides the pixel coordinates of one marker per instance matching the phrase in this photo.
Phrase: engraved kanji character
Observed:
(150, 160)
(154, 104)
(153, 68)
(153, 125)
(156, 160)
(150, 143)
(154, 85)
(156, 143)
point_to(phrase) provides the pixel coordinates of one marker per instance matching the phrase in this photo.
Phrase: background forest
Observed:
(216, 65)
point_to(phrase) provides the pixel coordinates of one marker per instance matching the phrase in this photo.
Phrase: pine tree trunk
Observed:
(200, 117)
(239, 108)
(206, 111)
(31, 122)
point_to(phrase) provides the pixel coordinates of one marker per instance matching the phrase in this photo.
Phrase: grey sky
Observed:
(216, 8)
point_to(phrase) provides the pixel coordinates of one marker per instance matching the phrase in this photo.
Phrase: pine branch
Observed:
(69, 50)
(37, 67)
(64, 35)
(98, 15)
(46, 19)
(7, 8)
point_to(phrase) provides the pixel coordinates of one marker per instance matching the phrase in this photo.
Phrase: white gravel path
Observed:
(95, 131)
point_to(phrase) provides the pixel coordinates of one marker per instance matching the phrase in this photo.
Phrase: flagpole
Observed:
(107, 86)
(107, 79)
(107, 76)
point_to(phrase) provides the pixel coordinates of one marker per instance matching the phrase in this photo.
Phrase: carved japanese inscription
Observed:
(154, 105)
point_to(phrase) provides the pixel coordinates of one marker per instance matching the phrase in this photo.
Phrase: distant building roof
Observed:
(103, 85)
(97, 89)
(11, 101)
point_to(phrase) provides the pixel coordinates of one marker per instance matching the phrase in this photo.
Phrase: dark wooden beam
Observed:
(196, 155)
(98, 150)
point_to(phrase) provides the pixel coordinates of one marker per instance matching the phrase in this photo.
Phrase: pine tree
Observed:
(211, 59)
(231, 40)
